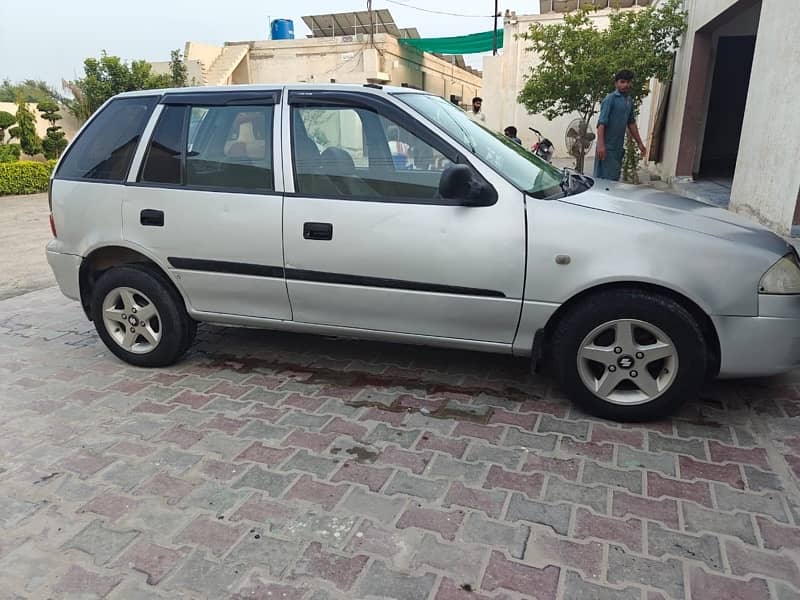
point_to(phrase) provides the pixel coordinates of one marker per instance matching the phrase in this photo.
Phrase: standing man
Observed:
(616, 115)
(475, 114)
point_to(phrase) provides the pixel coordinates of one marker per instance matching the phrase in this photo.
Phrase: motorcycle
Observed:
(543, 148)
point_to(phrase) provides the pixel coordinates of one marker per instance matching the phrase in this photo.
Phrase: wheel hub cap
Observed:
(138, 333)
(627, 361)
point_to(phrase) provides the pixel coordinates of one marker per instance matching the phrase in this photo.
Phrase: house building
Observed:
(730, 117)
(358, 47)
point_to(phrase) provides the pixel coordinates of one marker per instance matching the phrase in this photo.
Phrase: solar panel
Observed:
(352, 23)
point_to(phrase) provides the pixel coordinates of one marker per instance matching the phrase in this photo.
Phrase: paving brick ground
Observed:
(292, 467)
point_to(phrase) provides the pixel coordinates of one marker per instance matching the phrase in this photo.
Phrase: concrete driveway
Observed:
(293, 467)
(24, 232)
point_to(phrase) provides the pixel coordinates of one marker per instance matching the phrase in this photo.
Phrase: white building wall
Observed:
(766, 184)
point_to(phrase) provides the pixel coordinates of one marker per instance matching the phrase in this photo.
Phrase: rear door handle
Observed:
(151, 218)
(318, 231)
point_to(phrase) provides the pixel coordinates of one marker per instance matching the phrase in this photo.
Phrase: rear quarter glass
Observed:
(105, 148)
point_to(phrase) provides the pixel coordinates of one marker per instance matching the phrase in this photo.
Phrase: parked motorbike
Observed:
(543, 148)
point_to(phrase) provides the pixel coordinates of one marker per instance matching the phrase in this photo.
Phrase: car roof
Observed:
(368, 88)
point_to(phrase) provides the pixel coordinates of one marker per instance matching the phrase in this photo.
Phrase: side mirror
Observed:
(458, 183)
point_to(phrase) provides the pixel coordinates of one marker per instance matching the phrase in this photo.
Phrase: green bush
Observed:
(25, 177)
(9, 153)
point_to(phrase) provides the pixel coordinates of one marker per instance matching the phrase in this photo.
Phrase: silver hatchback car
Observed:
(386, 213)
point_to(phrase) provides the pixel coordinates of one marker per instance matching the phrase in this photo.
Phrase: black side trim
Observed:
(227, 98)
(397, 284)
(221, 266)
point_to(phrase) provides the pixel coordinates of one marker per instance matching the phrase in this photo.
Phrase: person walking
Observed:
(616, 115)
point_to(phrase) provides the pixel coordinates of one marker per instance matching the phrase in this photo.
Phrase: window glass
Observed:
(230, 147)
(523, 168)
(105, 149)
(195, 118)
(162, 163)
(356, 152)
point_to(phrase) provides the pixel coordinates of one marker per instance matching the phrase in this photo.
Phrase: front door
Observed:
(204, 202)
(368, 242)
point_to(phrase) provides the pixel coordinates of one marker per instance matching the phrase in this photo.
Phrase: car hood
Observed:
(644, 202)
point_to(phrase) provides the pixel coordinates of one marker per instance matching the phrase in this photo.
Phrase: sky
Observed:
(49, 39)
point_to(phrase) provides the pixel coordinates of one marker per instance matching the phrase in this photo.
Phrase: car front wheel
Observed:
(629, 355)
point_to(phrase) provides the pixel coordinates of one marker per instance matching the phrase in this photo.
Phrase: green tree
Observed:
(177, 69)
(578, 60)
(108, 76)
(54, 142)
(6, 121)
(31, 91)
(25, 131)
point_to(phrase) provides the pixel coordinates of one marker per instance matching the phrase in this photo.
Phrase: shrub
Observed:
(25, 131)
(25, 177)
(6, 121)
(9, 152)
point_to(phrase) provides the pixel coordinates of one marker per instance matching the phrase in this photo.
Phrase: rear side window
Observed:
(231, 148)
(219, 147)
(105, 149)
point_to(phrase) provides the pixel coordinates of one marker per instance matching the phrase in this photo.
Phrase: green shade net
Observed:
(462, 44)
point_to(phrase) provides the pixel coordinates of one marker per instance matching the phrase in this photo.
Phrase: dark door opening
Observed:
(726, 105)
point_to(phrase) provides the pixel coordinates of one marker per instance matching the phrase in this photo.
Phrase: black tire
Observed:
(663, 312)
(177, 328)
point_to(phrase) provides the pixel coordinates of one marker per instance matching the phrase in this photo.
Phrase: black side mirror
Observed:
(459, 183)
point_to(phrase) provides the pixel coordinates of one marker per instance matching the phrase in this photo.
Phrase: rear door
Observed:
(205, 201)
(369, 244)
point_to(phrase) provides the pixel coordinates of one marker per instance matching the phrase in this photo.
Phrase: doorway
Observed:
(726, 106)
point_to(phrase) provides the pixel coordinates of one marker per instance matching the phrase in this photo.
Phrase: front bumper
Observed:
(768, 344)
(66, 268)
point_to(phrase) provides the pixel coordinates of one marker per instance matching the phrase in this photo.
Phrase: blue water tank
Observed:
(282, 29)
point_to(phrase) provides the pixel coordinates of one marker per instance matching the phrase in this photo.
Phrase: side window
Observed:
(357, 153)
(162, 163)
(409, 152)
(105, 149)
(336, 128)
(230, 147)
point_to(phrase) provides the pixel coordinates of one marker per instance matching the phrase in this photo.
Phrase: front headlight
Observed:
(783, 277)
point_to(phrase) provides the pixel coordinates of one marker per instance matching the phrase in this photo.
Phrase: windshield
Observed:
(521, 167)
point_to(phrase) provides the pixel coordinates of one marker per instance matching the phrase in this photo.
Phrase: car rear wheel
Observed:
(140, 316)
(629, 355)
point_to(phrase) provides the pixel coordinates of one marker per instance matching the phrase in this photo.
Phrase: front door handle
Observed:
(151, 218)
(318, 231)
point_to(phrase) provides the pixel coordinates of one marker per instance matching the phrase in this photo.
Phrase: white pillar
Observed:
(767, 178)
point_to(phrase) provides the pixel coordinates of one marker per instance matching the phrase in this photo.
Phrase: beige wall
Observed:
(205, 54)
(504, 76)
(69, 124)
(346, 59)
(766, 184)
(194, 70)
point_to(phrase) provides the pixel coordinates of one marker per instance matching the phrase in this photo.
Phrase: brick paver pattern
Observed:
(271, 465)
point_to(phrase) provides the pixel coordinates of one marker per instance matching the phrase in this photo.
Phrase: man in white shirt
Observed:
(476, 114)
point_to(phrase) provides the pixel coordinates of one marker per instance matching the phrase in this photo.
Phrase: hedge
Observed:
(25, 177)
(9, 152)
